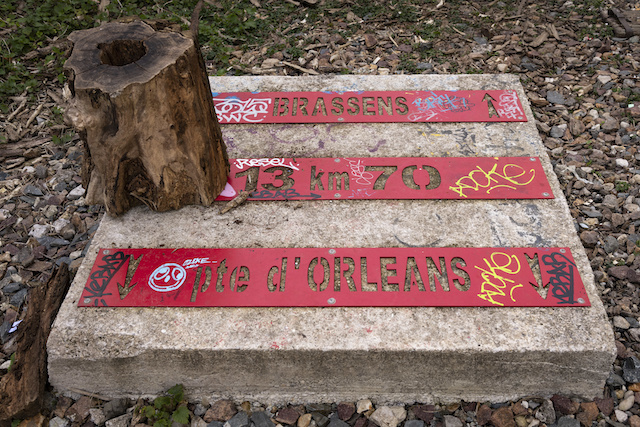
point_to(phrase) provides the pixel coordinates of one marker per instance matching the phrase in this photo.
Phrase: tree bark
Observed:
(22, 388)
(143, 105)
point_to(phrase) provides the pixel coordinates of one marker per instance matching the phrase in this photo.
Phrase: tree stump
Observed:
(142, 103)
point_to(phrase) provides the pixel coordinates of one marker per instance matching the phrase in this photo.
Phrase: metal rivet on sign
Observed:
(336, 160)
(520, 118)
(337, 195)
(331, 300)
(581, 301)
(105, 252)
(533, 159)
(87, 300)
(340, 119)
(332, 251)
(545, 194)
(563, 250)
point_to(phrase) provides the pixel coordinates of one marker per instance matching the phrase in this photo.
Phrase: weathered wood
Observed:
(143, 105)
(22, 388)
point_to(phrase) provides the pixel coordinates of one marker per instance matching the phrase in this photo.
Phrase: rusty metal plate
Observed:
(388, 178)
(335, 277)
(369, 106)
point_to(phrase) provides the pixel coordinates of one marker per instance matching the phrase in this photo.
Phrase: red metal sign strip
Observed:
(369, 106)
(340, 277)
(388, 178)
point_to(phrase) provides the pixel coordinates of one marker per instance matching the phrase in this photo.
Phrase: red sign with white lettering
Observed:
(340, 277)
(388, 178)
(369, 106)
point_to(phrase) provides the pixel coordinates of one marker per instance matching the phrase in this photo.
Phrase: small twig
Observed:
(461, 33)
(89, 394)
(521, 6)
(293, 2)
(34, 115)
(290, 28)
(237, 201)
(394, 42)
(299, 68)
(17, 110)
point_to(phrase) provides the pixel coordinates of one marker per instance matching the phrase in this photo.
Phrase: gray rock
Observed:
(5, 327)
(12, 288)
(323, 408)
(621, 323)
(604, 79)
(337, 422)
(215, 424)
(58, 422)
(321, 420)
(262, 419)
(555, 97)
(424, 66)
(121, 421)
(115, 407)
(41, 171)
(528, 65)
(546, 413)
(451, 421)
(615, 380)
(50, 212)
(622, 163)
(39, 230)
(32, 190)
(53, 242)
(196, 421)
(386, 416)
(59, 224)
(611, 244)
(96, 415)
(557, 131)
(568, 422)
(610, 124)
(76, 193)
(241, 419)
(631, 370)
(627, 403)
(199, 410)
(414, 423)
(591, 213)
(633, 322)
(25, 257)
(621, 415)
(610, 201)
(18, 298)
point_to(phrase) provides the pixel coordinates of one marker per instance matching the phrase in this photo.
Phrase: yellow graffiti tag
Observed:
(511, 177)
(495, 284)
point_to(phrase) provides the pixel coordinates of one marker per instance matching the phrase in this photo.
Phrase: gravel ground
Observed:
(583, 84)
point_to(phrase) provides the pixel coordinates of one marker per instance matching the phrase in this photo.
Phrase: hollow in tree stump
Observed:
(143, 105)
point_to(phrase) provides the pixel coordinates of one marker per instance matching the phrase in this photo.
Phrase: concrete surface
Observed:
(277, 355)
